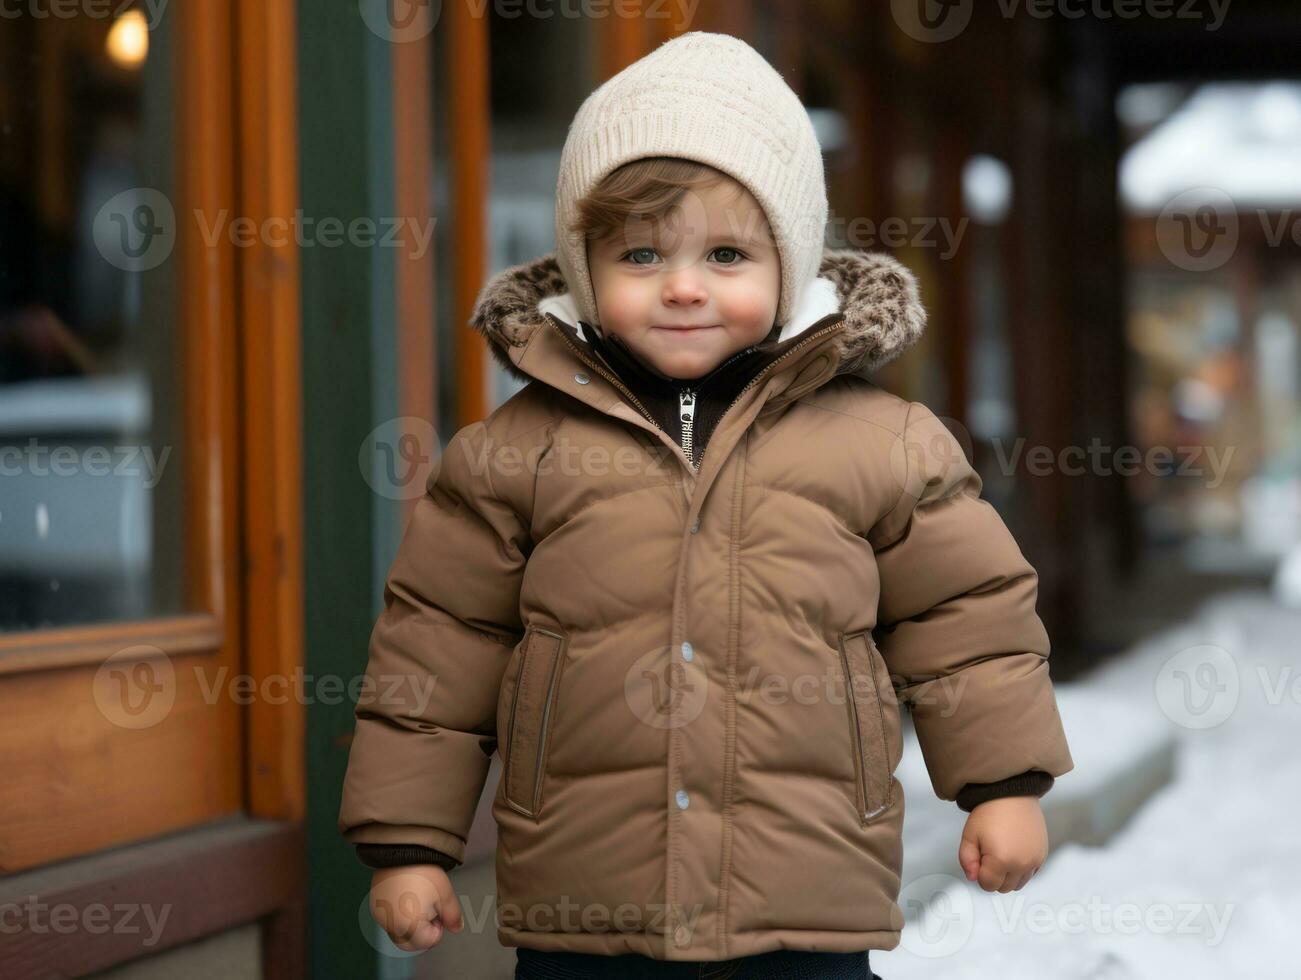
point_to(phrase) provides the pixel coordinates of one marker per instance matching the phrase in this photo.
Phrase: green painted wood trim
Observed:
(349, 387)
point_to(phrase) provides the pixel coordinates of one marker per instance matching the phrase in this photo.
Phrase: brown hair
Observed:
(644, 190)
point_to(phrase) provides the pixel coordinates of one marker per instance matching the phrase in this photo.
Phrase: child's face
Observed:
(710, 265)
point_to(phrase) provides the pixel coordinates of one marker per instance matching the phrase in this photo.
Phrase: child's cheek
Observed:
(749, 307)
(621, 304)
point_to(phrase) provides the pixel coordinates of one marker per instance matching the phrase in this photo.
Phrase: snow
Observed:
(1202, 880)
(1239, 139)
(1287, 581)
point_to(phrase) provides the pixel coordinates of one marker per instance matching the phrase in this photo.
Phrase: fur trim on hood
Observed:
(876, 293)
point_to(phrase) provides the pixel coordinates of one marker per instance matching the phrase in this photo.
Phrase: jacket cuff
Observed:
(379, 856)
(1032, 782)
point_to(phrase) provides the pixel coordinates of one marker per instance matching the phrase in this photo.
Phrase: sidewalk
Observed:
(1200, 882)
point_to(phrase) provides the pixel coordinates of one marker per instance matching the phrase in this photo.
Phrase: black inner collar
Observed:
(659, 393)
(642, 376)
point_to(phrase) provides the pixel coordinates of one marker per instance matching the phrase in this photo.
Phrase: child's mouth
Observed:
(687, 331)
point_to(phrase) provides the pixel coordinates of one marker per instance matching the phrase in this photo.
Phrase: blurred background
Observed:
(239, 244)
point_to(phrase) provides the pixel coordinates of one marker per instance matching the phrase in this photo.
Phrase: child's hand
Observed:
(1004, 842)
(413, 904)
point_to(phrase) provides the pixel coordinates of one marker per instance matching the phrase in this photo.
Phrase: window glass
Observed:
(91, 460)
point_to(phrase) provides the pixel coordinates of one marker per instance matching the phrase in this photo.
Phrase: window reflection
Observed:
(90, 409)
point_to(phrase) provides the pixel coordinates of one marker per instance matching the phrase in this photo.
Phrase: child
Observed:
(681, 577)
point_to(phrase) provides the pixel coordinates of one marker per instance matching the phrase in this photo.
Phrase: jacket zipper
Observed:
(687, 439)
(687, 398)
(687, 412)
(839, 319)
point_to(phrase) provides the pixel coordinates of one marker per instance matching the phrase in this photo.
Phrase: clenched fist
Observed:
(414, 904)
(1004, 843)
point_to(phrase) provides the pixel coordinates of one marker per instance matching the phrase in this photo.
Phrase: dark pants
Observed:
(779, 964)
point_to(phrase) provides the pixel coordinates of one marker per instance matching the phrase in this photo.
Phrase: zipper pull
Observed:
(687, 413)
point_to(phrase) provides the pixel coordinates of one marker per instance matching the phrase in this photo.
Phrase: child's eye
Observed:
(637, 251)
(726, 250)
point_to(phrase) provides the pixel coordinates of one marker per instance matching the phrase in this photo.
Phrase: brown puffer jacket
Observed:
(692, 666)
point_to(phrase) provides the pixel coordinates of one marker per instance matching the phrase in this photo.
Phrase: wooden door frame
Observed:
(271, 372)
(131, 773)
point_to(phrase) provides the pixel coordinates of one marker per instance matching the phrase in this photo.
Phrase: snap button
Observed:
(688, 651)
(682, 799)
(695, 526)
(581, 378)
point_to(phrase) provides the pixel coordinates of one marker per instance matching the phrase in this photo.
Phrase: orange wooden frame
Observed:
(270, 313)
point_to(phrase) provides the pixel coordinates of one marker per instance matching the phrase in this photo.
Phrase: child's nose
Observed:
(684, 287)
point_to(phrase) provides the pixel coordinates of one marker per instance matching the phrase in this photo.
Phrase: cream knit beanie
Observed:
(713, 99)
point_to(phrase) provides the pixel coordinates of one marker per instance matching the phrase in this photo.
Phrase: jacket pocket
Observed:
(867, 685)
(537, 679)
